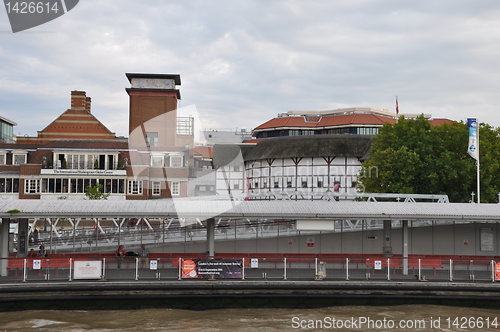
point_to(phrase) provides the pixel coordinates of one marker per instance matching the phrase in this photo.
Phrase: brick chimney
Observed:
(78, 100)
(87, 104)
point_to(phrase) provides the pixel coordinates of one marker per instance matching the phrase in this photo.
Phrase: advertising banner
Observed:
(497, 271)
(87, 269)
(473, 149)
(207, 267)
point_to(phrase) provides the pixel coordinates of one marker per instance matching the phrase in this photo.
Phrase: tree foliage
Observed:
(95, 192)
(413, 157)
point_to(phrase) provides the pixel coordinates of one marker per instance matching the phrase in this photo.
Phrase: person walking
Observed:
(143, 256)
(119, 254)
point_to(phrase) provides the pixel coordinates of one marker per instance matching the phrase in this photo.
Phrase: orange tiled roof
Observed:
(326, 121)
(204, 151)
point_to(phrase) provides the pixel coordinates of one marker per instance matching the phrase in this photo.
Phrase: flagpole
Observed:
(478, 178)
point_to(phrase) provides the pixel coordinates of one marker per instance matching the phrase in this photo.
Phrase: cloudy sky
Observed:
(243, 62)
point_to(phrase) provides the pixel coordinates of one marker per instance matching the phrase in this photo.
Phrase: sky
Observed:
(243, 62)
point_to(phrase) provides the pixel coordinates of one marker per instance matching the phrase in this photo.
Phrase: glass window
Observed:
(176, 161)
(135, 187)
(32, 186)
(152, 139)
(19, 159)
(156, 188)
(157, 161)
(175, 189)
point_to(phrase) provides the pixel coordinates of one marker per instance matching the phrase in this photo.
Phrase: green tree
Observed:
(413, 157)
(95, 192)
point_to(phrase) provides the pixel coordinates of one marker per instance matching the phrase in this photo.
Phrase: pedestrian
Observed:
(35, 235)
(143, 255)
(42, 252)
(119, 253)
(32, 254)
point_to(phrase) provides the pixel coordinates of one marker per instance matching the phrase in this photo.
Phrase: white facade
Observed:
(303, 178)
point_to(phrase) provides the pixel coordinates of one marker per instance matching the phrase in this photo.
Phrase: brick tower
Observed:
(153, 109)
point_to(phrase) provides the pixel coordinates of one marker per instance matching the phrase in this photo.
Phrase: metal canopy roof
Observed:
(187, 208)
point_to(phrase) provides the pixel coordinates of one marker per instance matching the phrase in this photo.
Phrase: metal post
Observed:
(316, 267)
(4, 246)
(24, 270)
(103, 268)
(388, 269)
(136, 268)
(405, 247)
(451, 269)
(180, 268)
(492, 271)
(419, 270)
(243, 269)
(347, 268)
(70, 265)
(211, 237)
(284, 272)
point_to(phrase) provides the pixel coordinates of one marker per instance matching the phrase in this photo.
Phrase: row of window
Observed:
(17, 158)
(77, 186)
(336, 131)
(299, 183)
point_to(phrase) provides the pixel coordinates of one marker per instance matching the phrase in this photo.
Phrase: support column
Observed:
(405, 247)
(4, 246)
(211, 237)
(387, 250)
(22, 238)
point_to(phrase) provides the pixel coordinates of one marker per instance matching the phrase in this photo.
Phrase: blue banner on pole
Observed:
(473, 149)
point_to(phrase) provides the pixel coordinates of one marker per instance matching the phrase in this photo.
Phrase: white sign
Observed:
(65, 171)
(254, 263)
(87, 269)
(378, 265)
(153, 265)
(37, 264)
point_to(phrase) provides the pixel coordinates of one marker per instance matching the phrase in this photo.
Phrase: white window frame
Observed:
(32, 186)
(178, 158)
(19, 153)
(156, 188)
(175, 188)
(135, 187)
(4, 154)
(157, 160)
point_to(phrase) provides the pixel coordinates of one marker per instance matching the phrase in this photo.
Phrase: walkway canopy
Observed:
(204, 209)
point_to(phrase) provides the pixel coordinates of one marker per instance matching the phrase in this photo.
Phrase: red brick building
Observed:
(76, 150)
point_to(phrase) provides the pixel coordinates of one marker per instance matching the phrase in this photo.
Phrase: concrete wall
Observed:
(460, 239)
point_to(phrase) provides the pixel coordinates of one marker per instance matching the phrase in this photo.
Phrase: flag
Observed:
(397, 106)
(473, 149)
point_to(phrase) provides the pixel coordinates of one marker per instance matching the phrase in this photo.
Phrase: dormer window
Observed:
(19, 157)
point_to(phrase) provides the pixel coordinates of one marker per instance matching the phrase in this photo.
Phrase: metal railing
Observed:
(169, 267)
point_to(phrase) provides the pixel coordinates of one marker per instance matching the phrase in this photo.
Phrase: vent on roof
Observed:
(312, 118)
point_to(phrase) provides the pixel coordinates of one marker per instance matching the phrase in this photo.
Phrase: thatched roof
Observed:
(230, 154)
(312, 146)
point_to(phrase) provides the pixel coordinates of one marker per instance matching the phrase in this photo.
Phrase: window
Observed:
(156, 188)
(320, 184)
(157, 160)
(152, 139)
(32, 186)
(276, 184)
(135, 187)
(3, 158)
(19, 159)
(9, 185)
(176, 161)
(236, 186)
(236, 168)
(175, 189)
